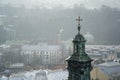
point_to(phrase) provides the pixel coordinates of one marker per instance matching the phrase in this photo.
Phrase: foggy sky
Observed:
(65, 3)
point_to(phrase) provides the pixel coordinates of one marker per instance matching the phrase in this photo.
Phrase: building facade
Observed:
(46, 54)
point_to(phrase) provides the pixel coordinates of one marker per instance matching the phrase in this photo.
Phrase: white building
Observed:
(50, 54)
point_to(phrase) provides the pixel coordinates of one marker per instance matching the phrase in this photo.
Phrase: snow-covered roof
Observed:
(4, 46)
(16, 65)
(31, 75)
(110, 67)
(95, 54)
(58, 75)
(20, 76)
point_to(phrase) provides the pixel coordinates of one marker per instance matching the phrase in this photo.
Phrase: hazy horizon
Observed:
(64, 3)
(45, 22)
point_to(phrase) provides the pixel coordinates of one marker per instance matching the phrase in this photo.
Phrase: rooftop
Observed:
(16, 65)
(109, 67)
(109, 64)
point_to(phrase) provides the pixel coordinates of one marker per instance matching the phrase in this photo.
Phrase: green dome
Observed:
(79, 38)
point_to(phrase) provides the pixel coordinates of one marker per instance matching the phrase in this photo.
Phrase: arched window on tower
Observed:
(77, 48)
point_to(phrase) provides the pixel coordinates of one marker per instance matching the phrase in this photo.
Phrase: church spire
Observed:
(79, 63)
(79, 26)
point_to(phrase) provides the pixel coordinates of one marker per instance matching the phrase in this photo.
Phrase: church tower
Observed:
(79, 63)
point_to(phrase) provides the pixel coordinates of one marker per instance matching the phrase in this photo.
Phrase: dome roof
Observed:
(79, 37)
(89, 36)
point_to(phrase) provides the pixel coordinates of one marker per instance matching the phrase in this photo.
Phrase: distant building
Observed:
(106, 71)
(48, 54)
(19, 76)
(16, 67)
(104, 51)
(1, 56)
(118, 54)
(95, 56)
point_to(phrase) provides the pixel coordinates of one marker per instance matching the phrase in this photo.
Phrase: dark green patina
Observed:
(79, 63)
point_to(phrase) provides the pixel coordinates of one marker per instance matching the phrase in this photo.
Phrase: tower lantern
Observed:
(79, 63)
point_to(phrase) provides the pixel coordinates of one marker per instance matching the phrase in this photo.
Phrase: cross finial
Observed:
(79, 19)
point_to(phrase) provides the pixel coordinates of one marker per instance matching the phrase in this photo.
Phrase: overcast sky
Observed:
(65, 3)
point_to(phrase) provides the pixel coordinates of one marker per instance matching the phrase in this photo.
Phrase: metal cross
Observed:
(79, 23)
(79, 19)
